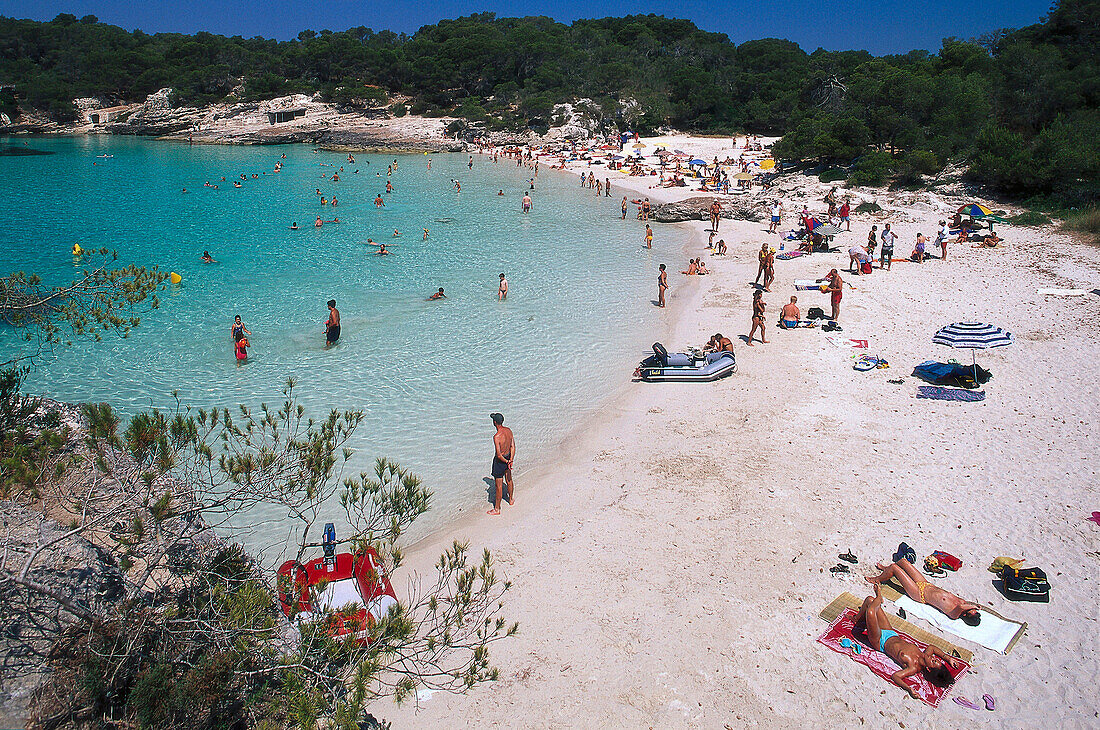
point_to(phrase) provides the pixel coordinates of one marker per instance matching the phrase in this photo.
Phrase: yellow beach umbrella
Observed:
(767, 164)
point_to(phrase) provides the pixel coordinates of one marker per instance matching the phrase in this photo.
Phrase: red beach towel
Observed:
(883, 665)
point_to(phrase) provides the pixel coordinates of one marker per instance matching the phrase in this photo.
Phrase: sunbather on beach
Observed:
(789, 314)
(876, 624)
(921, 591)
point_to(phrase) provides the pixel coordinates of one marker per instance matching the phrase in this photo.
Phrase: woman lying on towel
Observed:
(921, 591)
(876, 624)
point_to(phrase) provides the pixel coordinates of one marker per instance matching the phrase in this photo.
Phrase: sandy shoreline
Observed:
(669, 568)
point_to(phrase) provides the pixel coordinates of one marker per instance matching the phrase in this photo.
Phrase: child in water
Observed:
(241, 349)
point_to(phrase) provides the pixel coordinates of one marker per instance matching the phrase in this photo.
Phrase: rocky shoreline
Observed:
(286, 120)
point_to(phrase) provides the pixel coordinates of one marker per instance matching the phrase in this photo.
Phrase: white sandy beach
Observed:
(668, 569)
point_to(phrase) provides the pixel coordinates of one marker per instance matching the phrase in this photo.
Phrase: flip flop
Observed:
(838, 568)
(849, 557)
(853, 645)
(989, 703)
(966, 703)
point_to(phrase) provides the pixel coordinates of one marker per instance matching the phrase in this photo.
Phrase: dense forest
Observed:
(1019, 106)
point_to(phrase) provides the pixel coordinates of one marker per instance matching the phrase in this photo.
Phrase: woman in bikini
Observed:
(758, 307)
(875, 623)
(921, 591)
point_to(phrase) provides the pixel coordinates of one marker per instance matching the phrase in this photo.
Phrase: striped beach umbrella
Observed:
(974, 210)
(973, 336)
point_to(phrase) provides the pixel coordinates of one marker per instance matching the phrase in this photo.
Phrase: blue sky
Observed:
(882, 26)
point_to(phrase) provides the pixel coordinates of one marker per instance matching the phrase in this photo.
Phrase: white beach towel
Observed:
(1064, 292)
(993, 632)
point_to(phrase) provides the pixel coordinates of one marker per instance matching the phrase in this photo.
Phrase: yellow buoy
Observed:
(175, 278)
(77, 250)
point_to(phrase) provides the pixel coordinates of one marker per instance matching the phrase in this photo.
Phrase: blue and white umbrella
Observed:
(973, 336)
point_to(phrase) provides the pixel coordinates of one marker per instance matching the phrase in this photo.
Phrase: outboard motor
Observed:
(661, 353)
(328, 543)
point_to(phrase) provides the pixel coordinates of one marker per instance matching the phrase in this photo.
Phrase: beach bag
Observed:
(1025, 584)
(815, 313)
(865, 267)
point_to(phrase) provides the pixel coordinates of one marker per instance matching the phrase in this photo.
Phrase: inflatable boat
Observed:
(347, 591)
(687, 367)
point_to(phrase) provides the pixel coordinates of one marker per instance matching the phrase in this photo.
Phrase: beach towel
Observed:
(1064, 292)
(786, 255)
(937, 392)
(847, 342)
(847, 600)
(881, 664)
(994, 632)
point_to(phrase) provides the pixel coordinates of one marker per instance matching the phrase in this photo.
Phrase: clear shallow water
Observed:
(426, 374)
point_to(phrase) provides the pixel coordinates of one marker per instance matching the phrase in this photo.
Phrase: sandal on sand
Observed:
(849, 557)
(966, 703)
(838, 568)
(989, 703)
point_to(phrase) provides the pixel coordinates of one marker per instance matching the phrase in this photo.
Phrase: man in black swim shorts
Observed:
(504, 453)
(332, 324)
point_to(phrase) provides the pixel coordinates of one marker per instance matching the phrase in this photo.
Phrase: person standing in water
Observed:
(237, 331)
(502, 292)
(504, 454)
(648, 236)
(332, 324)
(662, 286)
(526, 203)
(624, 207)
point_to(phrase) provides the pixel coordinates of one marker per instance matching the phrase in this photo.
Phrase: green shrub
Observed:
(873, 168)
(922, 162)
(1084, 221)
(399, 110)
(832, 175)
(868, 208)
(1029, 218)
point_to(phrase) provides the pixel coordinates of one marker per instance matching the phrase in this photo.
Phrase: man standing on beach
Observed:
(777, 212)
(504, 453)
(888, 238)
(662, 286)
(715, 214)
(502, 292)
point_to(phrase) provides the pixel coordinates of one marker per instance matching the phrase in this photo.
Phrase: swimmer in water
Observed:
(500, 194)
(425, 233)
(502, 292)
(378, 202)
(207, 258)
(396, 233)
(318, 223)
(294, 226)
(382, 250)
(438, 295)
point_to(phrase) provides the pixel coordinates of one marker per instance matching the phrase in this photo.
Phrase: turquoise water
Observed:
(426, 374)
